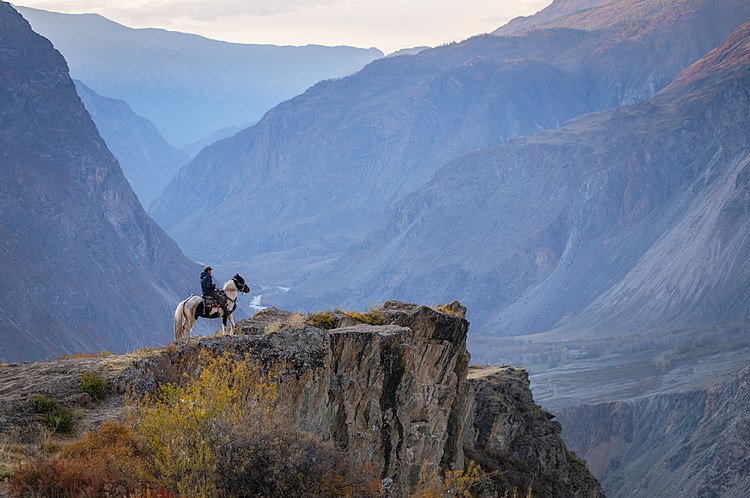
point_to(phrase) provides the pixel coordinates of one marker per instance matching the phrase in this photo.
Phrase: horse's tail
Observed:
(179, 316)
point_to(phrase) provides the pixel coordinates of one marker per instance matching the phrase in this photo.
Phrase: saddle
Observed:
(210, 302)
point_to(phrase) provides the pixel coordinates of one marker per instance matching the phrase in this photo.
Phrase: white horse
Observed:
(189, 310)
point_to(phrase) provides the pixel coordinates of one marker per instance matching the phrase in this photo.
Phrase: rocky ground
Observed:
(392, 391)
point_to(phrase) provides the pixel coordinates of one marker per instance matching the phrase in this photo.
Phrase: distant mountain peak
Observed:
(188, 85)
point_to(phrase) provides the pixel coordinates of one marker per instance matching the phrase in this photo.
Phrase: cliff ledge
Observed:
(398, 394)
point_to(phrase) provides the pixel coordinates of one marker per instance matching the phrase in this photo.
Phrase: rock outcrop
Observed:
(515, 445)
(395, 395)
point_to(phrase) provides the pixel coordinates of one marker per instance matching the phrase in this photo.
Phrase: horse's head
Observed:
(240, 283)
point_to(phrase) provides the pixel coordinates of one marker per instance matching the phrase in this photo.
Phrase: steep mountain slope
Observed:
(187, 85)
(319, 171)
(194, 148)
(83, 267)
(690, 443)
(626, 220)
(146, 159)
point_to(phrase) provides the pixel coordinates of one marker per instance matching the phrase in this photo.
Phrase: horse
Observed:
(189, 310)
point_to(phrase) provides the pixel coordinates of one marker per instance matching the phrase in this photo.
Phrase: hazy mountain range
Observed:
(634, 219)
(318, 173)
(84, 268)
(187, 85)
(578, 175)
(146, 159)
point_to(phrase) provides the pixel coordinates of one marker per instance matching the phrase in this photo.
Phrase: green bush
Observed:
(93, 384)
(322, 320)
(56, 416)
(371, 317)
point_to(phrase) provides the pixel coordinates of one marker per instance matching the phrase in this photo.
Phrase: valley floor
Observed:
(624, 376)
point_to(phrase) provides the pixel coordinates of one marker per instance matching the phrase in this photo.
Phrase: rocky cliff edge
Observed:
(395, 392)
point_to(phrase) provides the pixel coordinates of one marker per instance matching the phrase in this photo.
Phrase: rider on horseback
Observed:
(209, 289)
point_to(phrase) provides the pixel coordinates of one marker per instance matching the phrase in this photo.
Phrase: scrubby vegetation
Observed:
(93, 384)
(293, 321)
(371, 317)
(85, 355)
(54, 414)
(322, 320)
(109, 462)
(219, 434)
(470, 482)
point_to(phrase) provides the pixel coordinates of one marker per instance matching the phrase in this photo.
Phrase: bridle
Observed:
(239, 289)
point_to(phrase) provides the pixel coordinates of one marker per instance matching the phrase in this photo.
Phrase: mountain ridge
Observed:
(189, 86)
(372, 138)
(85, 268)
(577, 227)
(147, 160)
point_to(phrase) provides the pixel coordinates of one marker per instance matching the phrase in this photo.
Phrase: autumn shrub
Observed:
(322, 320)
(55, 415)
(183, 425)
(93, 384)
(371, 317)
(110, 462)
(269, 458)
(224, 434)
(468, 482)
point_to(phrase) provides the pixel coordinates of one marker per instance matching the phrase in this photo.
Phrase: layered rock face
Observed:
(513, 445)
(83, 267)
(388, 394)
(394, 395)
(690, 443)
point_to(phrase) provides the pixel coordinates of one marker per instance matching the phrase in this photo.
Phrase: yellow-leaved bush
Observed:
(183, 425)
(225, 434)
(220, 433)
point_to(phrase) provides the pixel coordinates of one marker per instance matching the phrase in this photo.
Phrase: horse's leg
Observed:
(189, 322)
(178, 321)
(223, 324)
(232, 328)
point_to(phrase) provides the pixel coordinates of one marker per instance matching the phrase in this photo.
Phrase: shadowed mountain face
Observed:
(84, 268)
(146, 159)
(187, 85)
(626, 220)
(319, 171)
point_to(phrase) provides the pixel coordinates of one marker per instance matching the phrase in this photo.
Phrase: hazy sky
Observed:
(385, 24)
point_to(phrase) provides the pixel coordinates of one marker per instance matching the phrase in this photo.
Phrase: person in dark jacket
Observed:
(209, 289)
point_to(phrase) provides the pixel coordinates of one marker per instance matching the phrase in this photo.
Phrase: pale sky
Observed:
(385, 24)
